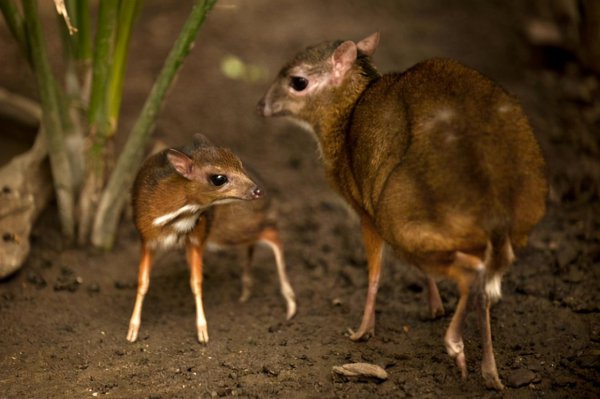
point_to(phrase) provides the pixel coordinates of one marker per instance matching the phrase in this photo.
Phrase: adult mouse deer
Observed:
(175, 195)
(438, 161)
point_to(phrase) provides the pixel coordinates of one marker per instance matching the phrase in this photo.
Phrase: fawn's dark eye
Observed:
(298, 83)
(218, 180)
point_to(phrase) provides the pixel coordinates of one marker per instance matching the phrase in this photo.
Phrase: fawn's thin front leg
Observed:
(194, 258)
(374, 248)
(270, 236)
(143, 283)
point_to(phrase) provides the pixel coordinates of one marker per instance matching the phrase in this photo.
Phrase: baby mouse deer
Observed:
(175, 195)
(438, 162)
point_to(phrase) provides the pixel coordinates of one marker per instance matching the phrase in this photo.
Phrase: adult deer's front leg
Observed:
(194, 257)
(374, 248)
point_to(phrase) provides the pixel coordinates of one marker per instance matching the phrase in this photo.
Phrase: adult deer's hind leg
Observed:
(436, 307)
(464, 270)
(488, 361)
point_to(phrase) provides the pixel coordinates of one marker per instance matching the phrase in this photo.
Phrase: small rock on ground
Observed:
(520, 378)
(361, 372)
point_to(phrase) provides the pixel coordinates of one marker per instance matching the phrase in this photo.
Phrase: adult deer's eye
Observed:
(218, 180)
(298, 83)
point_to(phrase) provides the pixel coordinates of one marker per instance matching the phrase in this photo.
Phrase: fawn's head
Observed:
(212, 174)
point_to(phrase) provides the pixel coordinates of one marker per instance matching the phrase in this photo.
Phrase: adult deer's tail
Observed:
(498, 258)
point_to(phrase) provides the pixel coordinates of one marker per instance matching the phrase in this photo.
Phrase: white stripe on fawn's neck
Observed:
(164, 219)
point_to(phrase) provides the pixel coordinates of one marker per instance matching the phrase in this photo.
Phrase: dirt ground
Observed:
(64, 315)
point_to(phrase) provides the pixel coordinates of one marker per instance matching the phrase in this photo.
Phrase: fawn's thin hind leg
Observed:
(270, 236)
(246, 275)
(142, 289)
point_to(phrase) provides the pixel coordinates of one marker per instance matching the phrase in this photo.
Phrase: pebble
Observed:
(67, 281)
(361, 372)
(521, 377)
(36, 279)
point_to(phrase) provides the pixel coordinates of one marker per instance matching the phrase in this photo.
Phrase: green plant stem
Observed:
(68, 41)
(117, 189)
(84, 51)
(51, 119)
(127, 14)
(14, 21)
(107, 17)
(15, 24)
(97, 118)
(84, 42)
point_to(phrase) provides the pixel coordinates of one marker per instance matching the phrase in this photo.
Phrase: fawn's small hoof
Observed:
(202, 334)
(291, 310)
(132, 334)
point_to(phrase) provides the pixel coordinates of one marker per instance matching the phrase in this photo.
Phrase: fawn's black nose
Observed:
(257, 193)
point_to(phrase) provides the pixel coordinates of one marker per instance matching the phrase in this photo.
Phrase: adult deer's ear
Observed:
(369, 44)
(181, 162)
(343, 58)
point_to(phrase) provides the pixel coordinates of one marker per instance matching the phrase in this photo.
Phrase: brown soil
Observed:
(64, 316)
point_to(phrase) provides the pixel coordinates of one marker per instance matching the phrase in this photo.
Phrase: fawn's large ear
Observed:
(181, 162)
(369, 44)
(343, 57)
(201, 140)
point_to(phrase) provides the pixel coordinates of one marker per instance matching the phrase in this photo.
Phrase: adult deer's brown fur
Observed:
(438, 162)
